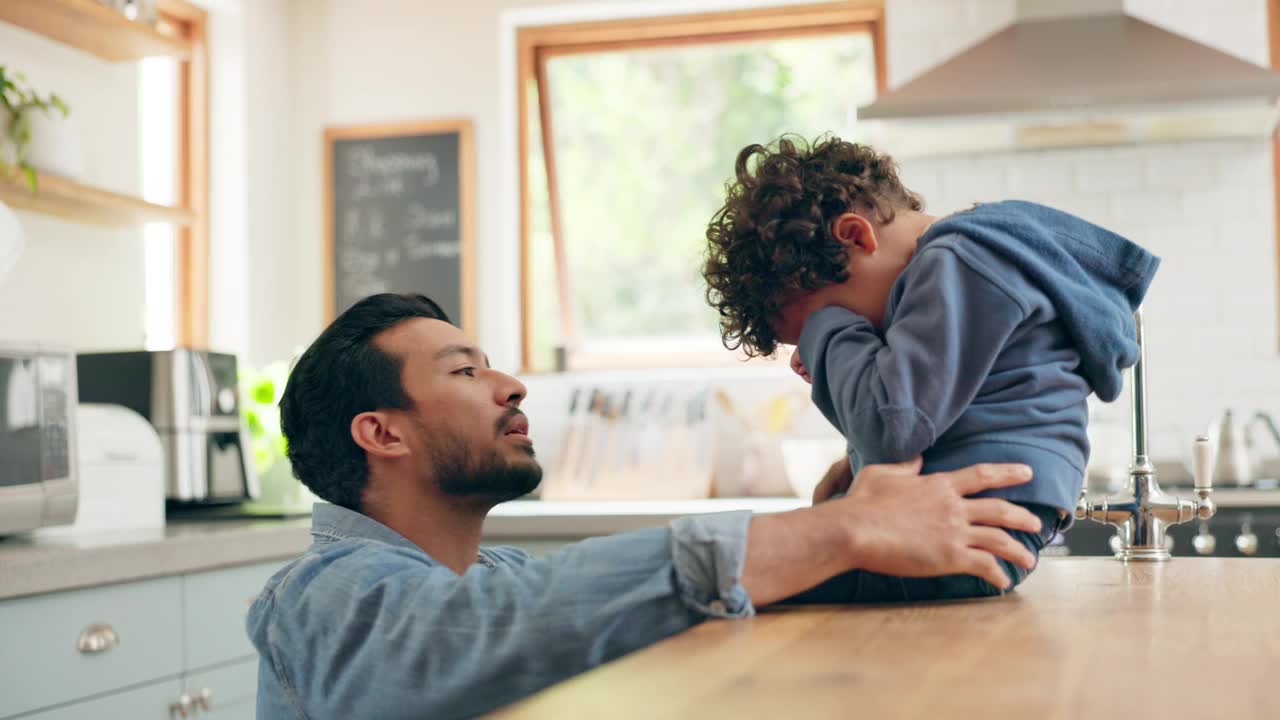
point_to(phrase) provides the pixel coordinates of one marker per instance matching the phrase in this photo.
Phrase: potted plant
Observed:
(260, 392)
(25, 115)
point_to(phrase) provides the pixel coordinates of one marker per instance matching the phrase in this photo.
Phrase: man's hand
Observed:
(897, 522)
(837, 480)
(913, 525)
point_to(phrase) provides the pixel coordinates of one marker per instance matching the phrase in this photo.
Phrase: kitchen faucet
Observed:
(1141, 511)
(1265, 418)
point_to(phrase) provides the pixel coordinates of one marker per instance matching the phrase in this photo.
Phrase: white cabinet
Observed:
(215, 606)
(176, 642)
(225, 693)
(86, 642)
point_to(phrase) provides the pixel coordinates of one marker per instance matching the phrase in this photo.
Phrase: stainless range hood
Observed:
(1076, 73)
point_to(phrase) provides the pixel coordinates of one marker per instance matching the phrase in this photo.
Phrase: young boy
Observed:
(971, 338)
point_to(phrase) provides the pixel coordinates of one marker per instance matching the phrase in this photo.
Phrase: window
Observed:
(630, 130)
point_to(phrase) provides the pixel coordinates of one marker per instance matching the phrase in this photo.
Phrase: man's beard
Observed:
(462, 473)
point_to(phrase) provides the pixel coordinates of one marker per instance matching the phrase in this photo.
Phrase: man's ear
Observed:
(377, 434)
(855, 231)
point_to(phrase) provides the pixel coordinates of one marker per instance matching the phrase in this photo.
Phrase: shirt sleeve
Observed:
(364, 637)
(893, 395)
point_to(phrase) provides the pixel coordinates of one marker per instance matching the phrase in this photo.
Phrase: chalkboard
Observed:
(399, 214)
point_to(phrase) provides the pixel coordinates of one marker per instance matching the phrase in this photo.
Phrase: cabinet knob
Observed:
(1203, 542)
(97, 638)
(204, 699)
(1247, 543)
(181, 708)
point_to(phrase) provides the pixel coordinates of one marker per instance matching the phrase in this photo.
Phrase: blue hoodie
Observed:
(1005, 319)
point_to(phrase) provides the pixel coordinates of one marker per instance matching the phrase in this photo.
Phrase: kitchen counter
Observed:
(33, 564)
(30, 564)
(1085, 637)
(575, 520)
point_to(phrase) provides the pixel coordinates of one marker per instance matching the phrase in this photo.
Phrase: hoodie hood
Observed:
(1095, 278)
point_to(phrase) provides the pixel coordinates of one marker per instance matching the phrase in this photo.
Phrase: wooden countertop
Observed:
(1083, 638)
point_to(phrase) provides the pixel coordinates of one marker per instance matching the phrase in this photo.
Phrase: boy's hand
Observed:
(797, 366)
(837, 480)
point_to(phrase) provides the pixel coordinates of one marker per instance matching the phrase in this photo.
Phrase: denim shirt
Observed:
(366, 624)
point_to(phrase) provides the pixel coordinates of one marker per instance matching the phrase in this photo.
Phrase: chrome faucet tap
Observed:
(1141, 512)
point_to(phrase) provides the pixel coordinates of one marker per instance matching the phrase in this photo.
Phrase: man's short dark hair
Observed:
(341, 375)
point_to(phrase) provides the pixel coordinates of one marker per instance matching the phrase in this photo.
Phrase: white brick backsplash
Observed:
(1178, 166)
(1042, 174)
(1133, 212)
(1240, 243)
(1177, 241)
(1109, 174)
(1244, 162)
(1226, 203)
(921, 177)
(964, 183)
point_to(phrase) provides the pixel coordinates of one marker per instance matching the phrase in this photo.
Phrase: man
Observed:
(396, 419)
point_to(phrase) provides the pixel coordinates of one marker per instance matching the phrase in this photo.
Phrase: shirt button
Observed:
(717, 606)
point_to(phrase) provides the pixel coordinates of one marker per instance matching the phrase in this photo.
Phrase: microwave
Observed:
(38, 478)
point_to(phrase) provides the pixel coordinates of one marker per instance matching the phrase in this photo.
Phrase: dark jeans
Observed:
(860, 586)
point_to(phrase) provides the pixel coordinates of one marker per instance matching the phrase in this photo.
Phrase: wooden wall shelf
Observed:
(93, 28)
(70, 200)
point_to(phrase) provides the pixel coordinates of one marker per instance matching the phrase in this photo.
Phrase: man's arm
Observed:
(355, 631)
(895, 522)
(899, 392)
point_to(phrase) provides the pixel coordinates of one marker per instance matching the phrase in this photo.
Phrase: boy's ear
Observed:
(377, 433)
(853, 230)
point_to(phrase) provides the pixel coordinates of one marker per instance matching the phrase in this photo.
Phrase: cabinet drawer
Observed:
(230, 692)
(217, 603)
(43, 665)
(149, 702)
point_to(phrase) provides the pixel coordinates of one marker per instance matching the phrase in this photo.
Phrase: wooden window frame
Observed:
(535, 45)
(191, 258)
(1273, 39)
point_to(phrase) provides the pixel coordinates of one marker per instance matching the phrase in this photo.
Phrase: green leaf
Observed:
(262, 459)
(253, 422)
(264, 392)
(30, 173)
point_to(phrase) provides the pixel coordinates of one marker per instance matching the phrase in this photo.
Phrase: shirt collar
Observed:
(328, 520)
(335, 520)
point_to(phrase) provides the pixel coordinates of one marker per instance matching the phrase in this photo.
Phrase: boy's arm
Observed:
(900, 392)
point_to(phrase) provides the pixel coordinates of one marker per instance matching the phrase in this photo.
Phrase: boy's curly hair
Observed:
(772, 239)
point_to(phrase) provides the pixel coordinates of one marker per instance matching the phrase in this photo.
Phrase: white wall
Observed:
(79, 285)
(230, 143)
(350, 65)
(252, 278)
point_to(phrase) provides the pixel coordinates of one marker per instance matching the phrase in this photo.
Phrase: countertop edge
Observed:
(35, 566)
(59, 568)
(39, 565)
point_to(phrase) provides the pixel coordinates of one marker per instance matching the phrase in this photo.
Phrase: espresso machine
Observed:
(191, 398)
